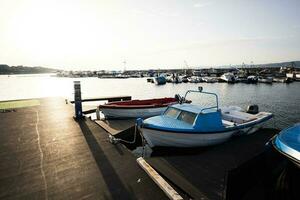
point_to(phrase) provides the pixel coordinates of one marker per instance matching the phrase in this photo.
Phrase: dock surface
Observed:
(226, 171)
(46, 154)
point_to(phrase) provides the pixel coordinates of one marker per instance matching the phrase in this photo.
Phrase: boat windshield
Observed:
(172, 112)
(187, 117)
(181, 115)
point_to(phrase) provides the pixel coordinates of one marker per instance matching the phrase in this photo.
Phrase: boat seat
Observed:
(238, 117)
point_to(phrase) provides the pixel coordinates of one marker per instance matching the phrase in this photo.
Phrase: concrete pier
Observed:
(46, 154)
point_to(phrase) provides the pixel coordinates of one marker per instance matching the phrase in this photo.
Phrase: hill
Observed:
(5, 69)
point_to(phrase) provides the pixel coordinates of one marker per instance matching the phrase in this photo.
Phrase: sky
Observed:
(140, 34)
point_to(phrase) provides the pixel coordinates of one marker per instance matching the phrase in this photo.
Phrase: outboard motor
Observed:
(252, 109)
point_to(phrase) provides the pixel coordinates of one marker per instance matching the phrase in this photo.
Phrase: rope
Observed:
(116, 140)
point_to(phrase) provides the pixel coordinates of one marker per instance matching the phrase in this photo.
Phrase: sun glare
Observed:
(60, 32)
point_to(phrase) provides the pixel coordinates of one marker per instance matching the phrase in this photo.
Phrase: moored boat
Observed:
(228, 77)
(208, 79)
(160, 80)
(287, 142)
(265, 79)
(283, 80)
(252, 79)
(136, 108)
(188, 125)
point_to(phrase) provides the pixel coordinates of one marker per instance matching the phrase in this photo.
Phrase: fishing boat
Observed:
(228, 77)
(189, 125)
(287, 142)
(136, 108)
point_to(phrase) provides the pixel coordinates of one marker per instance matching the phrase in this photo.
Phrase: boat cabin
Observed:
(198, 118)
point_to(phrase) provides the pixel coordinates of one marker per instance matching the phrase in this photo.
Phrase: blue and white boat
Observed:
(188, 125)
(287, 142)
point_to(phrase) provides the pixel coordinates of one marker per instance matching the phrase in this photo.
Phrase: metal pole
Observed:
(77, 99)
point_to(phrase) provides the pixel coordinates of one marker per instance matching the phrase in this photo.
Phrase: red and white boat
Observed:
(136, 108)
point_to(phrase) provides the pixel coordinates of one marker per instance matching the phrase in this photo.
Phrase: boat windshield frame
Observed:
(200, 90)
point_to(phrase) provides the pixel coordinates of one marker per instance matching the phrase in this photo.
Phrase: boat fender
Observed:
(252, 109)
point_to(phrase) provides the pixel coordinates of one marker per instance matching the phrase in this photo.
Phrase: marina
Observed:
(107, 153)
(60, 157)
(149, 100)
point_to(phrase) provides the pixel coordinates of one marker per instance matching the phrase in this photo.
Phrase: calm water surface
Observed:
(281, 99)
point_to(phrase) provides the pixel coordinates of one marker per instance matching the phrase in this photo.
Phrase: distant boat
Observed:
(283, 80)
(208, 79)
(160, 80)
(265, 79)
(136, 108)
(122, 76)
(228, 77)
(252, 79)
(150, 80)
(185, 79)
(287, 142)
(195, 79)
(188, 125)
(294, 75)
(176, 79)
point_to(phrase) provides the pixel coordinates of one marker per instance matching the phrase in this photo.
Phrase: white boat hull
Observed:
(132, 113)
(175, 139)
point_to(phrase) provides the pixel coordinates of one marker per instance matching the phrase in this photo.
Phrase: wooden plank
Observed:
(115, 127)
(169, 191)
(109, 99)
(169, 171)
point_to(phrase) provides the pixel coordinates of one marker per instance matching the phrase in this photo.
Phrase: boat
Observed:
(228, 77)
(169, 78)
(176, 79)
(185, 79)
(136, 108)
(252, 79)
(283, 80)
(265, 79)
(287, 143)
(150, 80)
(195, 79)
(294, 75)
(122, 76)
(160, 80)
(208, 79)
(189, 125)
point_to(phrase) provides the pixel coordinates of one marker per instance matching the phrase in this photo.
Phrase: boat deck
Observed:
(46, 154)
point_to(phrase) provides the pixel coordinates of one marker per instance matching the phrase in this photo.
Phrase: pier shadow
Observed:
(113, 182)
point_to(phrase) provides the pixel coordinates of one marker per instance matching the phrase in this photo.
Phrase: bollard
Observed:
(98, 113)
(77, 99)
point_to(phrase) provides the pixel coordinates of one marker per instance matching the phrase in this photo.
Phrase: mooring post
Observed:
(98, 113)
(77, 99)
